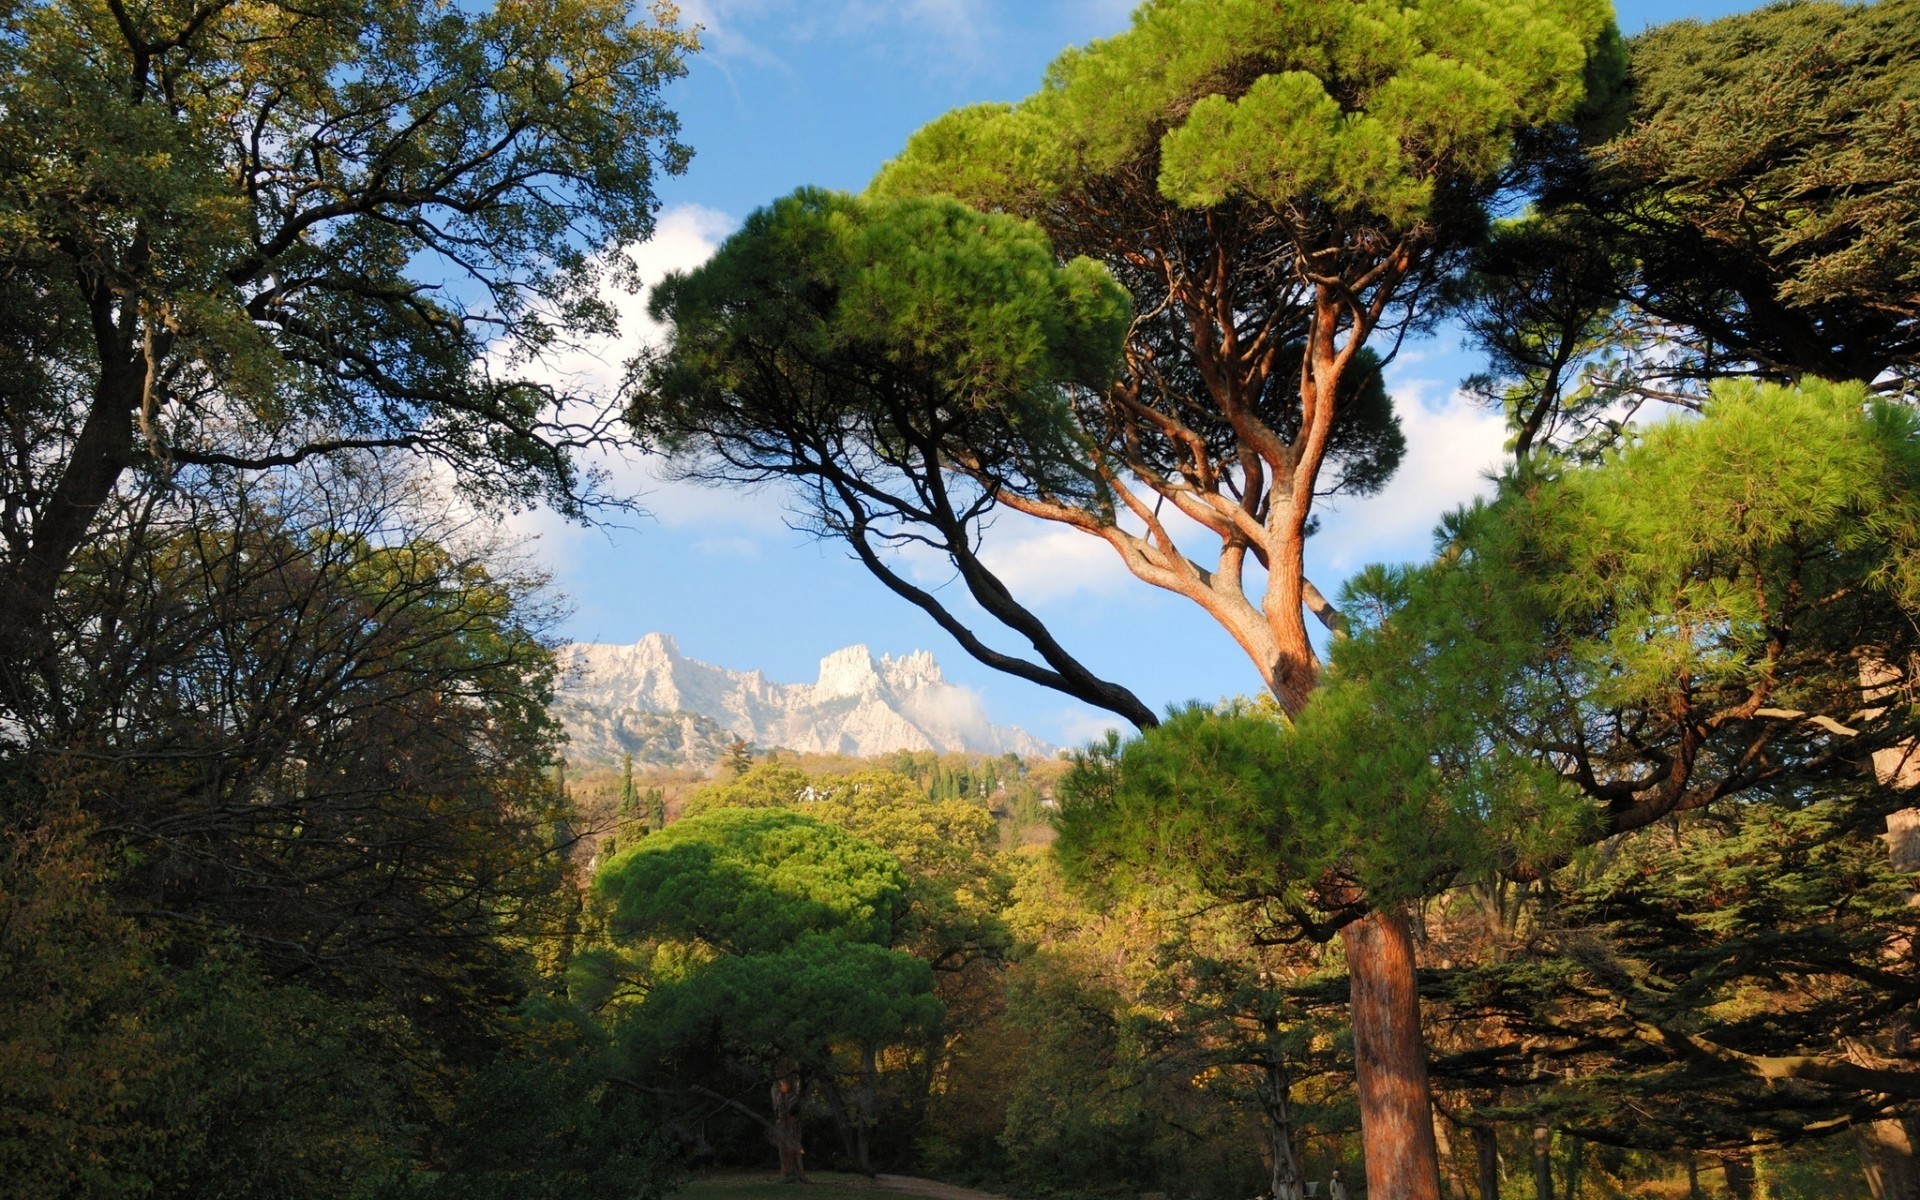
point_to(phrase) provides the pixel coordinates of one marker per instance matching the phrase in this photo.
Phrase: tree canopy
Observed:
(244, 235)
(1756, 215)
(1273, 182)
(752, 880)
(786, 924)
(861, 349)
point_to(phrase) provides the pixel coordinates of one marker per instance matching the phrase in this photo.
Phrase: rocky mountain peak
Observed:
(848, 672)
(616, 700)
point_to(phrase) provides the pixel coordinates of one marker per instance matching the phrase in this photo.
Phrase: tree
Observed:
(1693, 964)
(902, 334)
(249, 235)
(308, 711)
(1755, 216)
(784, 923)
(1275, 184)
(950, 912)
(1712, 626)
(739, 756)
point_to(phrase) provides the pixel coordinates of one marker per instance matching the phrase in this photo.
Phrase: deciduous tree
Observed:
(245, 235)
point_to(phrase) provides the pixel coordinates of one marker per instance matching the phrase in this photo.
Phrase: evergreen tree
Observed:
(786, 923)
(1274, 183)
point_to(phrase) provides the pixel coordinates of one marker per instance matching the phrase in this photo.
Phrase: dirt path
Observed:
(928, 1189)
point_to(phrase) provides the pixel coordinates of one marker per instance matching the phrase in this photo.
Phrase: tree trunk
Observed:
(1576, 1159)
(1739, 1168)
(787, 1091)
(844, 1119)
(868, 1098)
(1450, 1185)
(1542, 1161)
(1886, 1156)
(1486, 1154)
(1286, 1181)
(30, 581)
(1390, 1060)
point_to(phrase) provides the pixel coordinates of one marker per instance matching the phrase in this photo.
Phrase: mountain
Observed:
(650, 700)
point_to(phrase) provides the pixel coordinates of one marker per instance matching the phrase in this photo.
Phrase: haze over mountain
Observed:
(664, 708)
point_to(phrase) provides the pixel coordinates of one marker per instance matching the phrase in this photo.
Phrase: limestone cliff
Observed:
(650, 700)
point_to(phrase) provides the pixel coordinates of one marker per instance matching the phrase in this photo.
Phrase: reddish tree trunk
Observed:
(1390, 1060)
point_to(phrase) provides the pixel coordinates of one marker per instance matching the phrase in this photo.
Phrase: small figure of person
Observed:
(1336, 1187)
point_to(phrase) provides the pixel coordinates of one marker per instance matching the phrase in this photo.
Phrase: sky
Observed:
(786, 93)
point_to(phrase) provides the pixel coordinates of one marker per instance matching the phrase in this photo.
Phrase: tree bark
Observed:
(1390, 1059)
(1542, 1161)
(100, 455)
(1443, 1142)
(868, 1100)
(1286, 1181)
(1486, 1154)
(843, 1117)
(787, 1091)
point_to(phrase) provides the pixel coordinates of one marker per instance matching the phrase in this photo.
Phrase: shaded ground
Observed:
(822, 1185)
(929, 1189)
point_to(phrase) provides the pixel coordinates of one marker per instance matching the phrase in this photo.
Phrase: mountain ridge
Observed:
(652, 701)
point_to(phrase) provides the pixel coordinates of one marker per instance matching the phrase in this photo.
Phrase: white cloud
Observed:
(1041, 562)
(684, 237)
(1074, 728)
(1452, 446)
(749, 31)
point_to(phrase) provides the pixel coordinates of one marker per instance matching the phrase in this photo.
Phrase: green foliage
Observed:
(72, 982)
(1710, 627)
(1074, 1117)
(759, 785)
(944, 847)
(141, 1070)
(772, 965)
(1294, 819)
(1784, 140)
(1757, 215)
(541, 1122)
(1370, 109)
(260, 184)
(317, 722)
(904, 326)
(749, 881)
(800, 1001)
(277, 1091)
(279, 847)
(1718, 580)
(1760, 929)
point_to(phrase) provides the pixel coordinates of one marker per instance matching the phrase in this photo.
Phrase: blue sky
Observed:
(792, 92)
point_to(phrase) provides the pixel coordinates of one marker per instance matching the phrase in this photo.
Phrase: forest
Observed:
(1576, 860)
